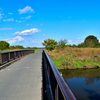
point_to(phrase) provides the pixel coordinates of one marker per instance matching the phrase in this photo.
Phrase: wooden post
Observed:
(9, 56)
(15, 54)
(0, 59)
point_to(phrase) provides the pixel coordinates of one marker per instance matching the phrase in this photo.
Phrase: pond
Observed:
(84, 83)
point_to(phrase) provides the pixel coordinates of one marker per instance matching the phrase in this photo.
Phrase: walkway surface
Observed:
(22, 80)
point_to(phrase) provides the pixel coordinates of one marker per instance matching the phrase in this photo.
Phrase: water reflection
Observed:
(84, 83)
(91, 80)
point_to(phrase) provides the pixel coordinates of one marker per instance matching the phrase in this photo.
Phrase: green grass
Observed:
(35, 50)
(61, 63)
(57, 63)
(69, 62)
(87, 64)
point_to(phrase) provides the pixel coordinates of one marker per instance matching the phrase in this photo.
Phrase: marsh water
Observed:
(84, 83)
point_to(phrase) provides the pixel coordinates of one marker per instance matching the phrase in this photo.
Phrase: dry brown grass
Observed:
(77, 52)
(75, 56)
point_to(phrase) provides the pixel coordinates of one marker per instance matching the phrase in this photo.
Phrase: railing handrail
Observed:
(11, 55)
(15, 51)
(67, 94)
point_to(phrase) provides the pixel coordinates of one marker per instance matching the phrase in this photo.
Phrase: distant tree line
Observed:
(89, 42)
(50, 44)
(5, 45)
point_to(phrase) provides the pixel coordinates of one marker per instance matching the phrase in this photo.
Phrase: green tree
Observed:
(62, 43)
(49, 44)
(28, 48)
(81, 45)
(12, 47)
(69, 45)
(4, 45)
(91, 41)
(98, 46)
(74, 45)
(19, 47)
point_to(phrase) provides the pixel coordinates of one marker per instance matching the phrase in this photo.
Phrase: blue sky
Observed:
(29, 22)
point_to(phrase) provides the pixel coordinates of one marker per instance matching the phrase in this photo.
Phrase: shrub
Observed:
(62, 43)
(50, 44)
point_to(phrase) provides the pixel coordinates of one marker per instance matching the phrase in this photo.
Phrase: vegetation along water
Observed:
(74, 58)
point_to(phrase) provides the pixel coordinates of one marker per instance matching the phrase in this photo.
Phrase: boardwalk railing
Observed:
(54, 86)
(8, 56)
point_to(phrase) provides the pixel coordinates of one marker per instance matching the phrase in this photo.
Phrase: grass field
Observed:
(73, 58)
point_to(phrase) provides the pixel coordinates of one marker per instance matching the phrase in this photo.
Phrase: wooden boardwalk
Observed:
(22, 80)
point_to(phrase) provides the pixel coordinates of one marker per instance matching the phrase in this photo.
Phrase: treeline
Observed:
(5, 45)
(50, 44)
(89, 42)
(21, 47)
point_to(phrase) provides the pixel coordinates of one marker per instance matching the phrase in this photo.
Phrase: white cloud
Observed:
(82, 41)
(13, 40)
(26, 9)
(19, 38)
(69, 41)
(8, 20)
(42, 41)
(28, 17)
(7, 39)
(27, 32)
(6, 29)
(17, 33)
(99, 40)
(10, 13)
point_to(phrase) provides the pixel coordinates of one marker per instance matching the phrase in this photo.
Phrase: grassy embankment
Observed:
(73, 58)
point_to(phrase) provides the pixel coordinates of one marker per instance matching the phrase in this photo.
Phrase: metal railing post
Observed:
(56, 93)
